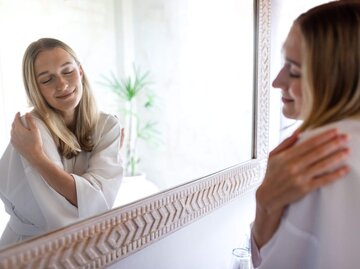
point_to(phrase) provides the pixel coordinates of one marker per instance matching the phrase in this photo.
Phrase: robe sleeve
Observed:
(56, 210)
(255, 252)
(97, 188)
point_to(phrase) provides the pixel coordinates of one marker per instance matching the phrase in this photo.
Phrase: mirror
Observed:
(202, 75)
(244, 116)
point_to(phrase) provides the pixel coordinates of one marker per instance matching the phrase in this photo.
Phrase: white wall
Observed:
(202, 74)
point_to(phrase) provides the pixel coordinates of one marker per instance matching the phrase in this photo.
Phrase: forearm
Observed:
(61, 181)
(265, 225)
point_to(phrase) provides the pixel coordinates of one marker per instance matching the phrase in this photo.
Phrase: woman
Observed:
(320, 85)
(63, 163)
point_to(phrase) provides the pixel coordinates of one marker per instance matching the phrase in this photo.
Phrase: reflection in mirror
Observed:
(199, 55)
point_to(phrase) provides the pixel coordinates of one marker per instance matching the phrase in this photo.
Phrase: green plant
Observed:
(133, 91)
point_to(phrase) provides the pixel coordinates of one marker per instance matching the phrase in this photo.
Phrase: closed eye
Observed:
(293, 75)
(67, 72)
(292, 70)
(46, 81)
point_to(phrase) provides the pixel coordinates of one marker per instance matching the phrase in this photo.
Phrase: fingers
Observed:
(296, 188)
(26, 122)
(298, 191)
(29, 121)
(305, 147)
(16, 120)
(327, 164)
(17, 128)
(335, 146)
(315, 141)
(328, 178)
(293, 171)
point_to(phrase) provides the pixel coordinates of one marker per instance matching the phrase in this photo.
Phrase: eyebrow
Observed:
(46, 72)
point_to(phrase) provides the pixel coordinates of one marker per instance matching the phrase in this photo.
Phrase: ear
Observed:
(81, 71)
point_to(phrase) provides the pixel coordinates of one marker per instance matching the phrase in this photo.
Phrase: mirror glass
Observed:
(199, 57)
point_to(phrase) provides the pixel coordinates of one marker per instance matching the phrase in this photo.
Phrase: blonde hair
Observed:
(331, 63)
(69, 142)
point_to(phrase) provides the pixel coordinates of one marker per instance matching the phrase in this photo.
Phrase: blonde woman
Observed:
(318, 227)
(63, 162)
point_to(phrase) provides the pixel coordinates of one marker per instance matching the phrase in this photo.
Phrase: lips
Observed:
(66, 95)
(286, 100)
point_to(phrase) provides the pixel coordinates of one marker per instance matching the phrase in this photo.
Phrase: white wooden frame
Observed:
(107, 238)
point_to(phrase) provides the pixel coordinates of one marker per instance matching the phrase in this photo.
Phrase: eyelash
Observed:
(45, 82)
(292, 75)
(66, 73)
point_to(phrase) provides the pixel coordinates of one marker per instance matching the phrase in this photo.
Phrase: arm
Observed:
(95, 187)
(294, 171)
(28, 142)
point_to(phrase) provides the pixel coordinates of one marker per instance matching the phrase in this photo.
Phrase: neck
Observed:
(69, 119)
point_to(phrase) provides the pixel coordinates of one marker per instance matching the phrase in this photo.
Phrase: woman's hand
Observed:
(26, 138)
(294, 171)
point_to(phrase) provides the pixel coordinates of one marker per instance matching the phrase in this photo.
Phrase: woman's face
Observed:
(289, 77)
(59, 79)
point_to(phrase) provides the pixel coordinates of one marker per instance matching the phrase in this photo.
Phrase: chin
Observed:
(290, 113)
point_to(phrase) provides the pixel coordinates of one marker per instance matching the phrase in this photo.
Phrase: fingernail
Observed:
(346, 152)
(344, 137)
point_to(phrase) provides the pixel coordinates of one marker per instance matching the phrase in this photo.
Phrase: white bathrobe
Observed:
(35, 207)
(322, 230)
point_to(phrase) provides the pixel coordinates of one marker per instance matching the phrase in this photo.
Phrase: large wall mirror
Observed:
(208, 66)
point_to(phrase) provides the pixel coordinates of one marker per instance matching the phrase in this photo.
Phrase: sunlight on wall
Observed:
(201, 59)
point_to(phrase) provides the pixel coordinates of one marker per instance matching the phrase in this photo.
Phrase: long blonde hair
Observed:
(331, 62)
(69, 142)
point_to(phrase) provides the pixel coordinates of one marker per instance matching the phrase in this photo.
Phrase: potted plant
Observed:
(133, 92)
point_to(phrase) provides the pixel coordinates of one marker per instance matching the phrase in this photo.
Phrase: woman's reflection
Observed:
(63, 163)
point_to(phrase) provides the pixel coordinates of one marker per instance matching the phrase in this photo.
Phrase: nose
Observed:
(281, 79)
(61, 84)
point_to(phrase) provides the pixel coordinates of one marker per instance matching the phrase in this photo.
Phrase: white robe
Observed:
(36, 208)
(322, 229)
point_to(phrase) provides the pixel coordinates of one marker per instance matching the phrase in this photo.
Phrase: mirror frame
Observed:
(107, 238)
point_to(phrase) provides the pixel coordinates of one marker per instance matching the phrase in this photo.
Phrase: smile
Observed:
(286, 100)
(64, 96)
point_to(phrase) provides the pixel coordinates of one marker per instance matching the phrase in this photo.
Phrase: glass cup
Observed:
(241, 259)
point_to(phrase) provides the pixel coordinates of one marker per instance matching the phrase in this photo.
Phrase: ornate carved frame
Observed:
(105, 239)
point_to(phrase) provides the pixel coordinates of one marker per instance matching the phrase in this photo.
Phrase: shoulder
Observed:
(347, 126)
(108, 120)
(38, 122)
(108, 123)
(111, 119)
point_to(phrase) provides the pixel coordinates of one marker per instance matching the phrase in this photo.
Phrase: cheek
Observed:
(45, 93)
(296, 91)
(76, 78)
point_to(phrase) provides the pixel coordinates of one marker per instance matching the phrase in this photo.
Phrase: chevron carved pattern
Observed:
(263, 78)
(121, 232)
